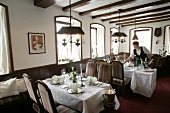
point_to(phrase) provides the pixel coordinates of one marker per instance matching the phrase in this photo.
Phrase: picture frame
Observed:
(36, 43)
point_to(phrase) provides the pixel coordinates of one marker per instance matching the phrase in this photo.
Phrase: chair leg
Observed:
(123, 91)
(36, 108)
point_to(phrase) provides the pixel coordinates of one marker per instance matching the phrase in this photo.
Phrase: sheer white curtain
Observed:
(100, 42)
(4, 49)
(114, 46)
(167, 39)
(76, 50)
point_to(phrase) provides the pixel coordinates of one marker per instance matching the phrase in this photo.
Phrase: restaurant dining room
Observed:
(84, 56)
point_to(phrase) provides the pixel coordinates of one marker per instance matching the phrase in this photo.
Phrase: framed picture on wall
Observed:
(36, 43)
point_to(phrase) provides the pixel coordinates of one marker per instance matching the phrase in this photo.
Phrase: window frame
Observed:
(9, 38)
(55, 28)
(168, 51)
(96, 38)
(143, 29)
(169, 40)
(111, 37)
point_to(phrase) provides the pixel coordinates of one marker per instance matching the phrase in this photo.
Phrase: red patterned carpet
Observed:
(158, 103)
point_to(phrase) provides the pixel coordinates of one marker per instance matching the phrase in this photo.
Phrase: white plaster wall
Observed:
(25, 17)
(155, 47)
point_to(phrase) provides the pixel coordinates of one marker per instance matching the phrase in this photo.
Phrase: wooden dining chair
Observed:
(98, 62)
(90, 68)
(33, 93)
(118, 75)
(156, 61)
(48, 101)
(104, 72)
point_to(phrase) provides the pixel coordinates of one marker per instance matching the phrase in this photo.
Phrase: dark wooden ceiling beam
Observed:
(140, 17)
(44, 3)
(119, 3)
(133, 8)
(138, 13)
(76, 5)
(145, 22)
(156, 18)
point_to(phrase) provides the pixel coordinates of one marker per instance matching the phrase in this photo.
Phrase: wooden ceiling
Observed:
(139, 11)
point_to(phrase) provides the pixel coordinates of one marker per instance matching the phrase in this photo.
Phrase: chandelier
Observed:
(119, 36)
(71, 30)
(135, 37)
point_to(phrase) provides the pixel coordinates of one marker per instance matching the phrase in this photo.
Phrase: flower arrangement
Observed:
(162, 51)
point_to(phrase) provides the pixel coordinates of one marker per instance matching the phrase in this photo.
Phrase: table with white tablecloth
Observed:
(142, 82)
(89, 101)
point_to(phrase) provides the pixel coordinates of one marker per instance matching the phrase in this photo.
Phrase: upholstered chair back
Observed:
(90, 68)
(46, 96)
(117, 70)
(156, 61)
(32, 93)
(104, 72)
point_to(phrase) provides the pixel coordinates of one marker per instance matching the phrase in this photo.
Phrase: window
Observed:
(166, 42)
(169, 42)
(68, 51)
(97, 40)
(144, 36)
(94, 41)
(5, 51)
(114, 46)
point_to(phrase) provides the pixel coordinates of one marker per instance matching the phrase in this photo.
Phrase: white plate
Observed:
(53, 83)
(64, 86)
(148, 70)
(48, 79)
(71, 92)
(84, 79)
(126, 68)
(103, 85)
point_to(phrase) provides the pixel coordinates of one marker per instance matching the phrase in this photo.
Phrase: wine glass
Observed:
(63, 71)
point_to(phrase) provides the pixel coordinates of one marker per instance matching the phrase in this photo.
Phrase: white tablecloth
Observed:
(143, 83)
(88, 102)
(128, 73)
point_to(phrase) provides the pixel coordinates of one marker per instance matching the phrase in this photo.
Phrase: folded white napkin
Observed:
(74, 87)
(91, 79)
(58, 79)
(128, 64)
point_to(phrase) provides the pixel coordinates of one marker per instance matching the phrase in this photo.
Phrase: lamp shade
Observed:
(135, 37)
(119, 34)
(71, 30)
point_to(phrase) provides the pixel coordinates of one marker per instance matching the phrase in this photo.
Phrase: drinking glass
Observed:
(63, 71)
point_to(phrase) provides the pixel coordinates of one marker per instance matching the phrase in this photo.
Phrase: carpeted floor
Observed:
(158, 103)
(134, 103)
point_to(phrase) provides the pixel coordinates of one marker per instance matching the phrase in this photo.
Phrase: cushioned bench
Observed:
(15, 104)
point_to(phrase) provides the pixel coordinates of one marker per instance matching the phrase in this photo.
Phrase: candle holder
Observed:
(81, 75)
(82, 81)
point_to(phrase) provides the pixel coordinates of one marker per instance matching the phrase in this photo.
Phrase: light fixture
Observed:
(119, 36)
(71, 30)
(135, 37)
